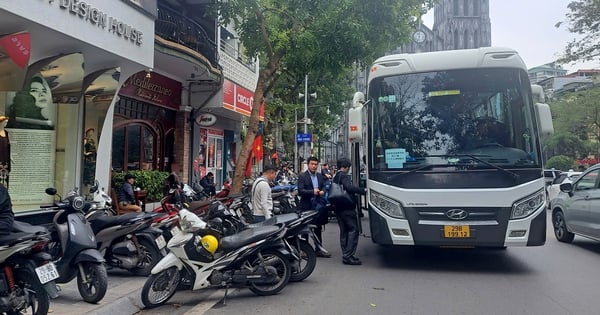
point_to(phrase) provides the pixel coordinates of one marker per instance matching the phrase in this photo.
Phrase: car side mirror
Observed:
(567, 187)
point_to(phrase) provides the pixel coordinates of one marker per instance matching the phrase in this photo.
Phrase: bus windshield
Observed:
(456, 119)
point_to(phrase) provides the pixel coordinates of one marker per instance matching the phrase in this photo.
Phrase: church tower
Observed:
(462, 24)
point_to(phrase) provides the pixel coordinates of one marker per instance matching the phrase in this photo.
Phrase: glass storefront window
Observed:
(133, 148)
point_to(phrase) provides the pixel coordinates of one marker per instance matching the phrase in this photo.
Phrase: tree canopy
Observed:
(584, 20)
(316, 37)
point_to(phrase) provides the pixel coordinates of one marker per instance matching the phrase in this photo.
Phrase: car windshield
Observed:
(474, 117)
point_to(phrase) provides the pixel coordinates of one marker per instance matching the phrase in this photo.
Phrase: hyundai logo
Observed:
(457, 214)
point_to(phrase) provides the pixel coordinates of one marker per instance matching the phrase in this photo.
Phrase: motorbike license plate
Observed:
(160, 242)
(457, 231)
(47, 272)
(175, 230)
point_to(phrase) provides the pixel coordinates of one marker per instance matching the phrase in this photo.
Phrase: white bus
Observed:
(453, 150)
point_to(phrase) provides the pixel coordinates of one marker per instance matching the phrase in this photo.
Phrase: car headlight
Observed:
(389, 206)
(528, 205)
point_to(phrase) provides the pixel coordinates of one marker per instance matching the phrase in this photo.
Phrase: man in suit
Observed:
(310, 188)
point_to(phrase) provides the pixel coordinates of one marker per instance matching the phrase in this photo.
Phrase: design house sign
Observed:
(96, 17)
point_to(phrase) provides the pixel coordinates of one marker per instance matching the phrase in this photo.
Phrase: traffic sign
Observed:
(303, 137)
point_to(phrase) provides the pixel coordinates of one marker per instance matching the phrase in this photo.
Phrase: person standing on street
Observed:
(312, 192)
(346, 214)
(262, 201)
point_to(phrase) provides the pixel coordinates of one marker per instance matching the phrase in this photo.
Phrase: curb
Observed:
(131, 303)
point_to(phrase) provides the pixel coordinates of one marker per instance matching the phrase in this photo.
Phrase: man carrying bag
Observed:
(345, 210)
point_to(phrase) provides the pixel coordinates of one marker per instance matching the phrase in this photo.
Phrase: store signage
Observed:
(206, 120)
(239, 99)
(153, 88)
(93, 15)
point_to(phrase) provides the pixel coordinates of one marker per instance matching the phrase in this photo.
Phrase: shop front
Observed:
(61, 66)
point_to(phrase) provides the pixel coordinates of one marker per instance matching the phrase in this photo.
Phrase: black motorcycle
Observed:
(26, 274)
(73, 247)
(128, 241)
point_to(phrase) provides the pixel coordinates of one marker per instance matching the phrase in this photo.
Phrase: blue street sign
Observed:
(303, 137)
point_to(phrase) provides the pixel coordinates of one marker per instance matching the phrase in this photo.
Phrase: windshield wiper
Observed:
(474, 157)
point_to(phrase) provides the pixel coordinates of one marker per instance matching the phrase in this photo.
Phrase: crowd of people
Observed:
(313, 190)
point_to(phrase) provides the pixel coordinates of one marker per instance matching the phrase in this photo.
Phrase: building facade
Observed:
(61, 65)
(458, 24)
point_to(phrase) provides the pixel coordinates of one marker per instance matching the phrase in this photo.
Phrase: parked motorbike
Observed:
(254, 258)
(102, 203)
(26, 274)
(73, 247)
(298, 227)
(128, 241)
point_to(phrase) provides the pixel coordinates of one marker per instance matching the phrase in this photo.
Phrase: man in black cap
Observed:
(126, 197)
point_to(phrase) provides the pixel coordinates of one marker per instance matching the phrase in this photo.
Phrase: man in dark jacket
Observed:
(126, 196)
(7, 216)
(346, 214)
(311, 191)
(208, 183)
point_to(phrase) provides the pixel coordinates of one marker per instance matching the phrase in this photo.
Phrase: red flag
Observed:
(17, 47)
(257, 148)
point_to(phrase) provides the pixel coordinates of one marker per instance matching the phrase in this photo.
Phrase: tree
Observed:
(560, 162)
(310, 34)
(584, 20)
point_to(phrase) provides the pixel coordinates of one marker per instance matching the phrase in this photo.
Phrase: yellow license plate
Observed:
(457, 231)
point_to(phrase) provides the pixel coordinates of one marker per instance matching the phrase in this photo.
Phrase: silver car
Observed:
(577, 209)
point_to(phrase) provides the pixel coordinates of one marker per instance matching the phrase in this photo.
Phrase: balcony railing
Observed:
(174, 27)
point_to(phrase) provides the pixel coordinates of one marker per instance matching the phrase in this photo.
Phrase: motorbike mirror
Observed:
(51, 191)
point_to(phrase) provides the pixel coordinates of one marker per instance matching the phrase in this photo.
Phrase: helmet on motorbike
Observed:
(210, 243)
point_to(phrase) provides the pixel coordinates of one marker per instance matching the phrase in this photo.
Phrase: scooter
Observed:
(73, 247)
(26, 274)
(128, 241)
(102, 204)
(256, 258)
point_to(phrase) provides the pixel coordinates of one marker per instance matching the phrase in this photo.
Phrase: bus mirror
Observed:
(538, 93)
(355, 132)
(544, 118)
(358, 99)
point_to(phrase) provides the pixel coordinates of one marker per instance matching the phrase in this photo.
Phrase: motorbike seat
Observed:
(100, 223)
(25, 227)
(274, 220)
(14, 238)
(234, 196)
(278, 194)
(246, 237)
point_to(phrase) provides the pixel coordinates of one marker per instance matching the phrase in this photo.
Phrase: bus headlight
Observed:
(389, 206)
(528, 205)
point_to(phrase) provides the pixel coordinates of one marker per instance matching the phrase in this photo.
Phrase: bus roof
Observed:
(486, 57)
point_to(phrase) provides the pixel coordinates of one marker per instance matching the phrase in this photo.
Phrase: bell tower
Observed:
(462, 24)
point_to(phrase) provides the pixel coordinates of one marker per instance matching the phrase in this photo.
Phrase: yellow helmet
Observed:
(210, 243)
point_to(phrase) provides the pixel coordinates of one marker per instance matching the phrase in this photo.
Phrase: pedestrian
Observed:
(346, 214)
(208, 184)
(7, 217)
(126, 197)
(262, 201)
(311, 190)
(325, 171)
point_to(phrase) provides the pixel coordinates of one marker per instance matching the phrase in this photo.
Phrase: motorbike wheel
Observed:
(151, 255)
(308, 261)
(281, 265)
(96, 282)
(39, 302)
(160, 287)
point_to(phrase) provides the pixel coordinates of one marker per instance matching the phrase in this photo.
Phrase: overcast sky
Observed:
(528, 27)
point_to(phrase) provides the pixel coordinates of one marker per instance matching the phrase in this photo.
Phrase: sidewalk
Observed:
(122, 297)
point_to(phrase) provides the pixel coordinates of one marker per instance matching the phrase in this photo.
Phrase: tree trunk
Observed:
(264, 76)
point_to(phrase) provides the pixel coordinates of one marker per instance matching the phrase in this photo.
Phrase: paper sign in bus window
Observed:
(395, 158)
(444, 93)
